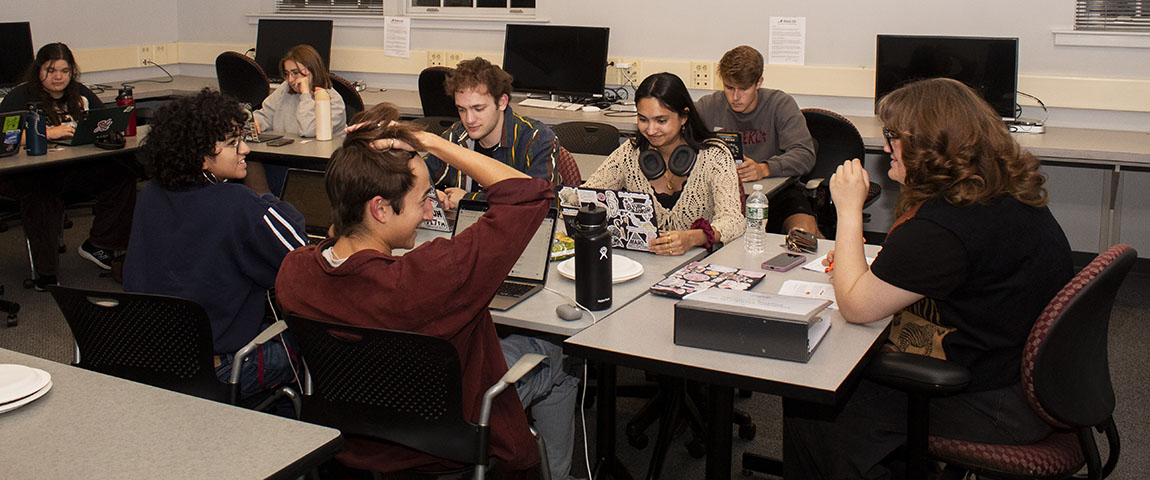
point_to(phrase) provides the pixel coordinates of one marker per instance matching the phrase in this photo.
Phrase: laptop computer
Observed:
(630, 215)
(306, 191)
(530, 272)
(98, 121)
(11, 127)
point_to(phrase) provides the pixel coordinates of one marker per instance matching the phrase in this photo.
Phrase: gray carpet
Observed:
(42, 332)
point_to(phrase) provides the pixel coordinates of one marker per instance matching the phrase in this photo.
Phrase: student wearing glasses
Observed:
(697, 206)
(53, 85)
(971, 261)
(291, 108)
(200, 236)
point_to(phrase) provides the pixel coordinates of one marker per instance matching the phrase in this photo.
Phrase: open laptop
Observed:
(98, 121)
(530, 272)
(306, 191)
(630, 215)
(11, 126)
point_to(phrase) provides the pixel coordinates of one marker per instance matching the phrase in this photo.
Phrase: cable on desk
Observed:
(161, 67)
(594, 319)
(1018, 108)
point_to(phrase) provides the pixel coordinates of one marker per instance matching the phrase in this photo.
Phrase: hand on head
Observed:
(383, 144)
(849, 186)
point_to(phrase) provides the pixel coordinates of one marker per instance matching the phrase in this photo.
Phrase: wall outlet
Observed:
(436, 59)
(163, 54)
(453, 59)
(702, 75)
(145, 54)
(623, 71)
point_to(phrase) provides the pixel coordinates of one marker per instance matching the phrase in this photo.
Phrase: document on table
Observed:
(816, 265)
(799, 288)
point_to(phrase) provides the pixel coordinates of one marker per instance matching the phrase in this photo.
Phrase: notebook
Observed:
(13, 126)
(306, 191)
(530, 272)
(630, 215)
(98, 121)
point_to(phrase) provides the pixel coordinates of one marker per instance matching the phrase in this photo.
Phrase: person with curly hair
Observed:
(201, 237)
(971, 261)
(53, 85)
(488, 125)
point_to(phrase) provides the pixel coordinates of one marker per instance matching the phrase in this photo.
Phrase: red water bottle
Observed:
(124, 99)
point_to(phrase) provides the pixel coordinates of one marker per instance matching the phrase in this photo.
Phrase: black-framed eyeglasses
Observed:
(889, 135)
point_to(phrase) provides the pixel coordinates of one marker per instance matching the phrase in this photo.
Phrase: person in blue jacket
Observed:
(200, 237)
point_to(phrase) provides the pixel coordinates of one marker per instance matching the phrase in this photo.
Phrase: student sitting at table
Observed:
(488, 125)
(380, 192)
(776, 142)
(972, 260)
(682, 165)
(53, 85)
(291, 108)
(201, 237)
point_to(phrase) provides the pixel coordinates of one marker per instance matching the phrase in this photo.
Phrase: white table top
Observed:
(91, 425)
(60, 155)
(641, 335)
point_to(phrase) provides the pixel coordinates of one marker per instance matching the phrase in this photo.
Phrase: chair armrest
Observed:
(918, 374)
(525, 364)
(269, 333)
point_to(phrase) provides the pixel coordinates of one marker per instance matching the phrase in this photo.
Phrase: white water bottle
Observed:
(322, 115)
(755, 239)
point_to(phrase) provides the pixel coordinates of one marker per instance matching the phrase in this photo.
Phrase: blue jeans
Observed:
(549, 394)
(277, 368)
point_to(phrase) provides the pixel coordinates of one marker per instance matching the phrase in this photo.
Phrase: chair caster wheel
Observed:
(62, 249)
(639, 441)
(747, 432)
(29, 283)
(12, 321)
(696, 448)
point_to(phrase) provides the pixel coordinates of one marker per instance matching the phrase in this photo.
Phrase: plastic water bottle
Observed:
(755, 240)
(322, 115)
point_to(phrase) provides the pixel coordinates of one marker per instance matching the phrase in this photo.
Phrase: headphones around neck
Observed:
(681, 162)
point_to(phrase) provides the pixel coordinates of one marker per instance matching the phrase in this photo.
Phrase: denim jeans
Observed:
(549, 394)
(277, 368)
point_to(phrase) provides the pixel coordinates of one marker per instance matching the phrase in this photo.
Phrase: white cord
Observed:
(287, 351)
(583, 420)
(572, 301)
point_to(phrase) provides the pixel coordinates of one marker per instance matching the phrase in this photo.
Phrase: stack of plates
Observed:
(20, 385)
(622, 268)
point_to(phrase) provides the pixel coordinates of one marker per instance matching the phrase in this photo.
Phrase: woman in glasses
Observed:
(971, 261)
(200, 236)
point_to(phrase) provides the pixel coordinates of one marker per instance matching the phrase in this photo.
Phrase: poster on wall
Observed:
(788, 41)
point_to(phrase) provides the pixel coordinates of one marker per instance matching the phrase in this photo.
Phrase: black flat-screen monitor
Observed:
(988, 65)
(558, 60)
(16, 55)
(275, 37)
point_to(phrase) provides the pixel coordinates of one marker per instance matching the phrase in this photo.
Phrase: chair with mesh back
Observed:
(568, 169)
(836, 141)
(587, 137)
(242, 78)
(1065, 376)
(158, 340)
(432, 97)
(394, 386)
(352, 102)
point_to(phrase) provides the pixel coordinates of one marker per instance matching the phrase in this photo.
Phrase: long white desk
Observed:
(62, 155)
(91, 425)
(641, 336)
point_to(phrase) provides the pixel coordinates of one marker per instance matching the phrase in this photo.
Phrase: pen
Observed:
(257, 122)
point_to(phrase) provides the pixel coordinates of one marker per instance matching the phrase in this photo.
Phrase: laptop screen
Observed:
(532, 264)
(306, 191)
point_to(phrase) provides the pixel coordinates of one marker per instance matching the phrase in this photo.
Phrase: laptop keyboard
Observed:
(508, 289)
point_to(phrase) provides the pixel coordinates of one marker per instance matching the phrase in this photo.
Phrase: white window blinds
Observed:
(1112, 15)
(331, 7)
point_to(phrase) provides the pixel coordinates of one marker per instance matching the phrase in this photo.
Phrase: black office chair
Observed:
(242, 78)
(161, 341)
(1065, 375)
(436, 125)
(352, 102)
(398, 387)
(432, 97)
(836, 141)
(587, 137)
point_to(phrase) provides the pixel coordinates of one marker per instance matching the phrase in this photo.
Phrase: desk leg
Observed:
(722, 406)
(606, 463)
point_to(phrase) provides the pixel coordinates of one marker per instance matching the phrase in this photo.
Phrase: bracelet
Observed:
(705, 226)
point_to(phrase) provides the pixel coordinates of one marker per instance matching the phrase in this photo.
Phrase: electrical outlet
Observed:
(619, 75)
(702, 76)
(453, 59)
(436, 59)
(161, 54)
(145, 54)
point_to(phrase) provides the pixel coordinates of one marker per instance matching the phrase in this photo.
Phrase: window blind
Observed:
(331, 7)
(1112, 15)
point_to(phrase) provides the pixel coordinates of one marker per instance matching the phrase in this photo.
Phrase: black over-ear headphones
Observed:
(681, 162)
(110, 140)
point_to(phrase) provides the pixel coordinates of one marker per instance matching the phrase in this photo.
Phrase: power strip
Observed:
(1026, 128)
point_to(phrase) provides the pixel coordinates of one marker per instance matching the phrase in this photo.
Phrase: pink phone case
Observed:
(797, 260)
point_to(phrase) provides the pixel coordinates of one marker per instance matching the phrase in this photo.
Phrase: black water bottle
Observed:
(592, 258)
(35, 132)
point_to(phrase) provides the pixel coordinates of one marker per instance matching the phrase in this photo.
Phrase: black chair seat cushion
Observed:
(1056, 456)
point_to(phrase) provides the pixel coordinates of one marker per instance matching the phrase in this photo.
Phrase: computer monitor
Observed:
(275, 37)
(988, 65)
(557, 60)
(16, 56)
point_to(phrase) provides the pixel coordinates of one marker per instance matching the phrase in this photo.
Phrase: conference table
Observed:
(90, 425)
(61, 155)
(640, 335)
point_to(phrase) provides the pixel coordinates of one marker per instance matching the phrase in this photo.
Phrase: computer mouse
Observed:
(568, 312)
(590, 108)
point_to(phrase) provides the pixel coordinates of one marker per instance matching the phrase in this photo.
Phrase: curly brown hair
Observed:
(184, 132)
(475, 72)
(357, 172)
(741, 67)
(955, 146)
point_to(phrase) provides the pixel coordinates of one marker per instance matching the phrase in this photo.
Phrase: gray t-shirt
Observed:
(774, 132)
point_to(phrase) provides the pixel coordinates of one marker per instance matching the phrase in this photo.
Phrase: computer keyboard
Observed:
(509, 289)
(540, 103)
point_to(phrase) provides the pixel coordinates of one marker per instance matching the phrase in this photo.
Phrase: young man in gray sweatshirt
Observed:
(776, 142)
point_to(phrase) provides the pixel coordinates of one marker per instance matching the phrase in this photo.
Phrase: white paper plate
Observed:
(622, 269)
(7, 407)
(19, 381)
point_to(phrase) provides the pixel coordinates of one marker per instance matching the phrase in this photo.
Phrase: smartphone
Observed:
(281, 142)
(783, 262)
